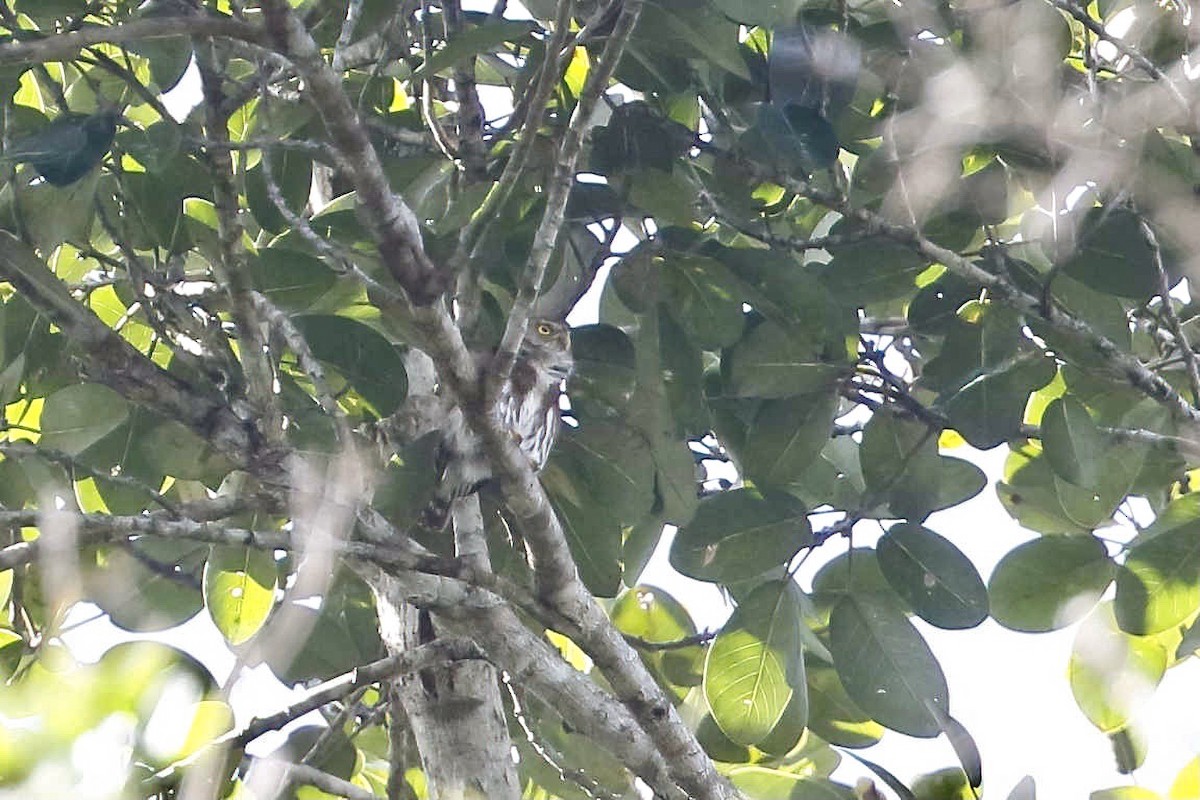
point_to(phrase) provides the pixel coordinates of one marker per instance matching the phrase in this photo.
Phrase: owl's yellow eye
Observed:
(544, 330)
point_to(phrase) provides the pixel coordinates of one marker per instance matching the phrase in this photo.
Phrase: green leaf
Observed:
(76, 417)
(700, 33)
(1113, 674)
(12, 648)
(154, 211)
(763, 13)
(675, 480)
(1125, 793)
(886, 667)
(933, 576)
(1072, 442)
(290, 279)
(1030, 495)
(343, 634)
(153, 591)
(1049, 583)
(595, 543)
(871, 271)
(472, 42)
(854, 572)
(768, 362)
(786, 436)
(605, 370)
(755, 664)
(1158, 586)
(239, 590)
(174, 450)
(371, 363)
(832, 715)
(891, 447)
(291, 171)
(900, 462)
(965, 748)
(795, 138)
(763, 783)
(55, 214)
(790, 729)
(47, 10)
(1114, 256)
(989, 410)
(604, 468)
(652, 615)
(740, 534)
(600, 478)
(702, 295)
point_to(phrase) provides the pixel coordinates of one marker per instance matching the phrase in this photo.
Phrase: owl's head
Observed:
(548, 344)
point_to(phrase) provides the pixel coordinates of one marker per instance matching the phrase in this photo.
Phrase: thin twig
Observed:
(999, 287)
(332, 784)
(469, 118)
(546, 237)
(21, 449)
(1126, 49)
(518, 162)
(1172, 318)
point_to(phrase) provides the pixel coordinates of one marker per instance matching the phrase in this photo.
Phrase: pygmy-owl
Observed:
(528, 407)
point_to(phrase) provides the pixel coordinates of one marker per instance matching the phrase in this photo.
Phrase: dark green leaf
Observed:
(291, 172)
(763, 13)
(872, 271)
(472, 42)
(1072, 442)
(933, 576)
(701, 294)
(1114, 256)
(768, 362)
(341, 635)
(76, 417)
(786, 436)
(290, 279)
(371, 363)
(794, 138)
(740, 534)
(833, 715)
(604, 468)
(153, 591)
(886, 667)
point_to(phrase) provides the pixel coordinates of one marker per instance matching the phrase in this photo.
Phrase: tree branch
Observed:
(1126, 49)
(1001, 288)
(545, 239)
(65, 46)
(428, 655)
(1173, 324)
(393, 224)
(116, 363)
(518, 161)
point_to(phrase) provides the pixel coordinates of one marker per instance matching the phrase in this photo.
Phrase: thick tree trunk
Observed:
(455, 711)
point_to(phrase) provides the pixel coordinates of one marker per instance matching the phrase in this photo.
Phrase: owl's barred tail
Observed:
(436, 515)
